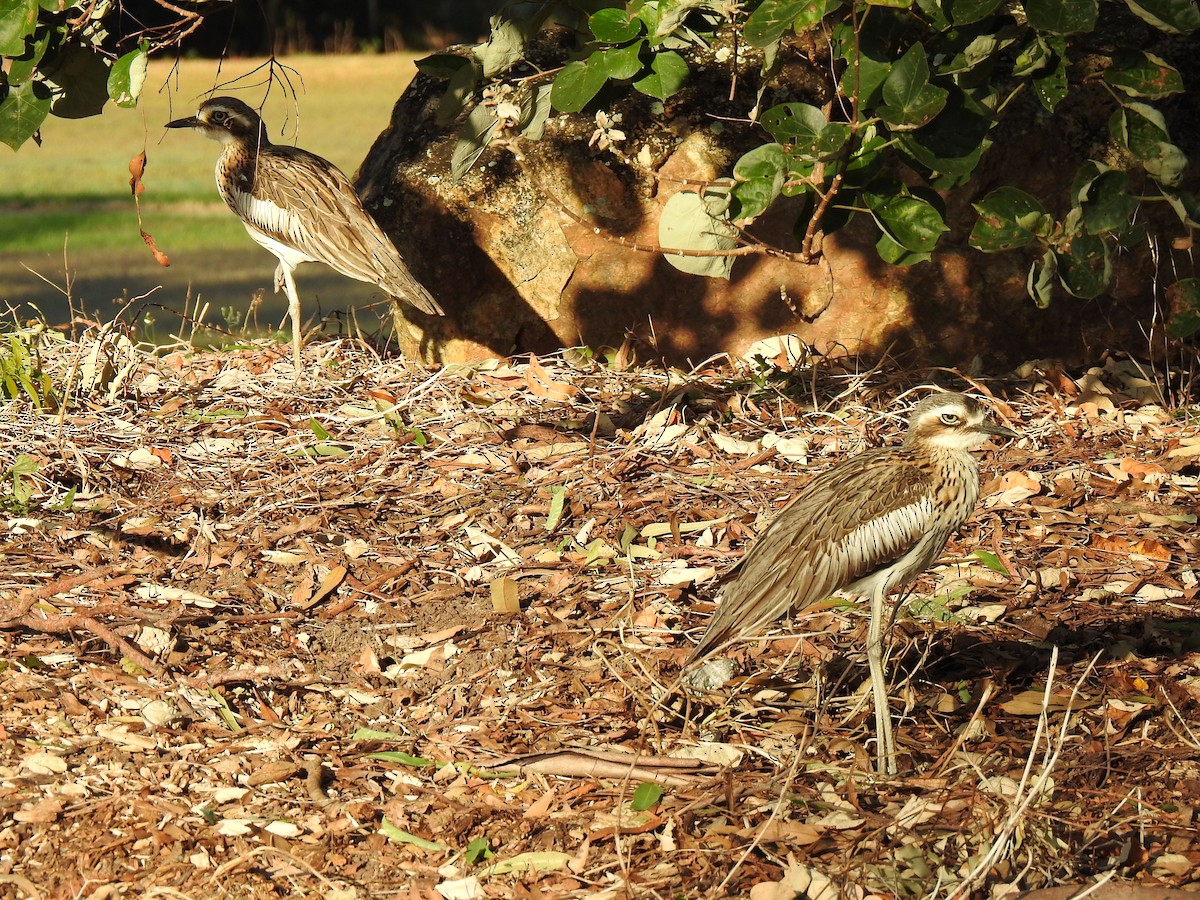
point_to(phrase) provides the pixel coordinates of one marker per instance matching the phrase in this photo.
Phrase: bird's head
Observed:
(952, 422)
(225, 119)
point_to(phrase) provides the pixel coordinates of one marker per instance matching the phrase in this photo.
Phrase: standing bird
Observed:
(865, 527)
(301, 208)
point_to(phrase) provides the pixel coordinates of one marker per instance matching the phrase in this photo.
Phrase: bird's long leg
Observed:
(885, 744)
(289, 285)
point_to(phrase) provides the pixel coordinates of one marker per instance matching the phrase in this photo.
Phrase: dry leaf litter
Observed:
(415, 633)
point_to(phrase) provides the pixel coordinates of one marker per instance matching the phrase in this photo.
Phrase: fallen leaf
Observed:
(542, 384)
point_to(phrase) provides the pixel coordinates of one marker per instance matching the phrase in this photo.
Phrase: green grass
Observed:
(74, 189)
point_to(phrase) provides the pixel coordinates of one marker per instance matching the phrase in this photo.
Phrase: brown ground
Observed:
(258, 652)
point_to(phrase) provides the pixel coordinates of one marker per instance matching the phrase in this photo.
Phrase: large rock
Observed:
(504, 251)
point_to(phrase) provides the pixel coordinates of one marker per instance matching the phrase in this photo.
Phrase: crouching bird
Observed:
(867, 526)
(301, 208)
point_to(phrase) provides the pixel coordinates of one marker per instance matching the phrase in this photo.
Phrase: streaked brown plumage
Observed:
(867, 526)
(301, 208)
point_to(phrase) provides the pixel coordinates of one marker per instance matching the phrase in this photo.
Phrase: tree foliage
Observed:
(60, 58)
(918, 88)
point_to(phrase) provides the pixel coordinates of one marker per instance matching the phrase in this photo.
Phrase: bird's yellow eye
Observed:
(950, 418)
(218, 118)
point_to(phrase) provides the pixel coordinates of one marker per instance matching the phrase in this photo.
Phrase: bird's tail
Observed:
(402, 286)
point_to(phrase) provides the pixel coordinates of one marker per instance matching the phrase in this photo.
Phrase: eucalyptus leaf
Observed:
(473, 138)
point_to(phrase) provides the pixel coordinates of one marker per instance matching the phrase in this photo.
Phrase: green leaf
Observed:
(1174, 16)
(18, 19)
(505, 46)
(761, 174)
(912, 222)
(1034, 57)
(442, 65)
(22, 68)
(473, 138)
(576, 85)
(476, 851)
(558, 500)
(78, 81)
(532, 861)
(869, 56)
(24, 464)
(668, 72)
(690, 222)
(966, 12)
(1185, 299)
(1142, 130)
(1106, 203)
(535, 112)
(1050, 85)
(793, 122)
(895, 254)
(955, 141)
(1185, 206)
(984, 48)
(1043, 275)
(398, 756)
(127, 76)
(614, 26)
(1008, 218)
(1085, 268)
(646, 795)
(619, 63)
(1062, 16)
(22, 112)
(400, 836)
(461, 87)
(911, 101)
(1142, 74)
(773, 18)
(992, 561)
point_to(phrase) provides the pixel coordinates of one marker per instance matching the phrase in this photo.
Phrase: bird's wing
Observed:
(844, 525)
(334, 229)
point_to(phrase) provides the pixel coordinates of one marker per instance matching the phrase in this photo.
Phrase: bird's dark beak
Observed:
(997, 430)
(189, 122)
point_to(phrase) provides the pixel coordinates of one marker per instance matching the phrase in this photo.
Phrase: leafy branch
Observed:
(909, 96)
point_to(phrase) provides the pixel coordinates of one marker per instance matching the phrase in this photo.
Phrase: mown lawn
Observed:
(71, 195)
